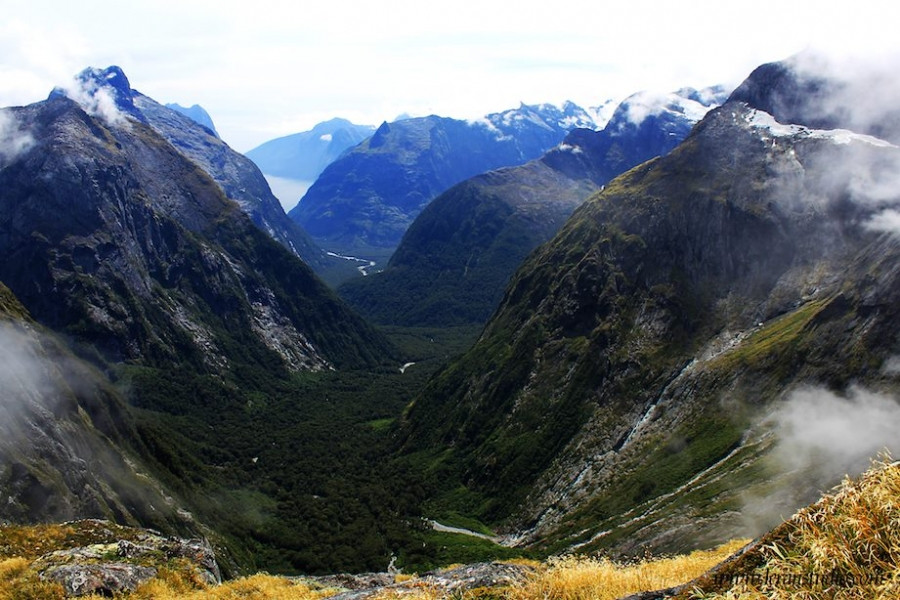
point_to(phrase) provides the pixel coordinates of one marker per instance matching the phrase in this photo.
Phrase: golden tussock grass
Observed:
(845, 546)
(584, 578)
(19, 582)
(255, 587)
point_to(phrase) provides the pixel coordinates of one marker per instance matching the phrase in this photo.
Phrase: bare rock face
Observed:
(115, 233)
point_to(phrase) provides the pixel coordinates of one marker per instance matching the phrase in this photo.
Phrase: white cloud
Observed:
(821, 436)
(13, 140)
(26, 377)
(891, 366)
(836, 434)
(97, 101)
(887, 220)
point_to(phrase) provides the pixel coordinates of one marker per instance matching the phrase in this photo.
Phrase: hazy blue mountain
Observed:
(303, 156)
(197, 114)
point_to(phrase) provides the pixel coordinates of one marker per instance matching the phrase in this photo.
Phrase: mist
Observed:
(821, 437)
(863, 97)
(13, 140)
(96, 101)
(26, 379)
(835, 435)
(853, 107)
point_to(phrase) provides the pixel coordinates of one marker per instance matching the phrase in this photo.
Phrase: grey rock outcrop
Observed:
(121, 566)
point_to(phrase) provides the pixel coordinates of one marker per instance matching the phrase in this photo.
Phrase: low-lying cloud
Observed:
(97, 101)
(863, 94)
(13, 139)
(835, 435)
(25, 378)
(643, 105)
(821, 437)
(887, 220)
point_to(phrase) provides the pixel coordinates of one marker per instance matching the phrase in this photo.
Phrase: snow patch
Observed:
(766, 122)
(325, 137)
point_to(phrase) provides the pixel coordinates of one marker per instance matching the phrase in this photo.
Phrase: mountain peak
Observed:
(814, 91)
(102, 92)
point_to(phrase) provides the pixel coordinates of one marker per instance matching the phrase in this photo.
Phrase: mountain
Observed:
(303, 156)
(118, 237)
(108, 92)
(706, 344)
(813, 91)
(197, 114)
(457, 256)
(365, 200)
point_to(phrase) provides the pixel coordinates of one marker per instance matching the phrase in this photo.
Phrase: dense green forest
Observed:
(297, 471)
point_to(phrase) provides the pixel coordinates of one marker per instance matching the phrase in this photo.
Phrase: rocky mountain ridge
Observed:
(108, 92)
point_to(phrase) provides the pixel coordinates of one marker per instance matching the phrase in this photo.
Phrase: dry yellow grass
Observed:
(255, 587)
(19, 582)
(583, 578)
(845, 546)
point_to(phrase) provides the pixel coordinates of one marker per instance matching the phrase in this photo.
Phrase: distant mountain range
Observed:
(365, 200)
(455, 259)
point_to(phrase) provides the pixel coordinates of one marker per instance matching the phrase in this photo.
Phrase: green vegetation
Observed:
(774, 338)
(296, 471)
(454, 548)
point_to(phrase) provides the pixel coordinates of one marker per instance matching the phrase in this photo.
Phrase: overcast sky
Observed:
(265, 68)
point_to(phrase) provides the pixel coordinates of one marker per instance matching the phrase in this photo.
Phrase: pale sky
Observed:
(267, 68)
